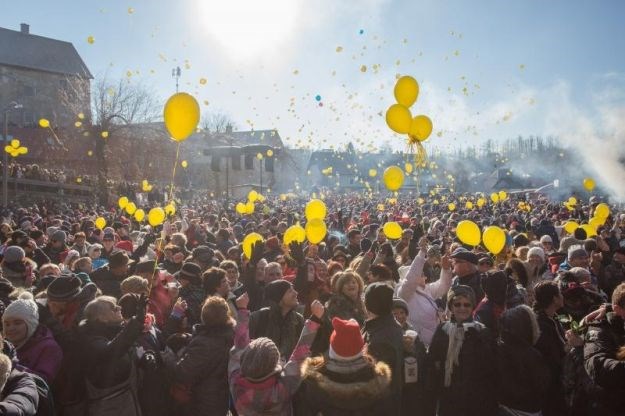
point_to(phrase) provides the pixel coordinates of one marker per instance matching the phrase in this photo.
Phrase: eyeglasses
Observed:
(462, 305)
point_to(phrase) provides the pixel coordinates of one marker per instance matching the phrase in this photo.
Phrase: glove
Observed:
(142, 305)
(297, 253)
(258, 250)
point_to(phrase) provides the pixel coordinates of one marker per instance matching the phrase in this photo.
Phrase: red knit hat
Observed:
(346, 341)
(125, 245)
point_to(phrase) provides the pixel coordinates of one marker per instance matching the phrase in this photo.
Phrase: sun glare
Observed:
(248, 28)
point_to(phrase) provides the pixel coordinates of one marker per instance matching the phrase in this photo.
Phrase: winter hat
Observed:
(93, 247)
(400, 304)
(460, 290)
(51, 230)
(464, 254)
(24, 308)
(546, 239)
(275, 290)
(379, 298)
(64, 289)
(203, 253)
(537, 251)
(59, 235)
(191, 272)
(125, 245)
(14, 254)
(567, 242)
(346, 341)
(118, 258)
(260, 360)
(520, 240)
(134, 284)
(108, 237)
(576, 252)
(145, 266)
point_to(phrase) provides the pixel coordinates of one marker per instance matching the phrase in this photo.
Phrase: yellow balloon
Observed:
(100, 223)
(420, 128)
(315, 209)
(602, 211)
(170, 209)
(451, 206)
(468, 205)
(596, 222)
(373, 173)
(249, 208)
(590, 230)
(494, 197)
(240, 208)
(139, 215)
(122, 202)
(15, 143)
(294, 233)
(408, 167)
(316, 230)
(252, 196)
(392, 230)
(156, 216)
(249, 241)
(184, 164)
(572, 201)
(398, 118)
(181, 114)
(44, 123)
(589, 184)
(131, 208)
(393, 178)
(570, 226)
(406, 90)
(468, 232)
(502, 195)
(481, 202)
(494, 239)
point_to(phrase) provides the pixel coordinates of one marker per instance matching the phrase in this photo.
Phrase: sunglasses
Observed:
(462, 305)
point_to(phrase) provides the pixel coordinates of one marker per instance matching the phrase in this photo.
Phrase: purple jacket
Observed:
(41, 354)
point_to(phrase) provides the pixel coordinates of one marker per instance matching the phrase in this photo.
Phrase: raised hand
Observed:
(242, 301)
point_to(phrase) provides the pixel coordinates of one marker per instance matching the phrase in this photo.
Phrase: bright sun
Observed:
(248, 28)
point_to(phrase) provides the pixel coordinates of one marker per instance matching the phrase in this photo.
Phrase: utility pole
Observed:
(175, 73)
(5, 159)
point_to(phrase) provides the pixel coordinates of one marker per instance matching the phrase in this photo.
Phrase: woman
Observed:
(524, 375)
(551, 343)
(346, 300)
(36, 348)
(346, 381)
(95, 252)
(461, 372)
(17, 268)
(202, 373)
(515, 269)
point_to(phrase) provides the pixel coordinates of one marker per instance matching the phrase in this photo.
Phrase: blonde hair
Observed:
(215, 312)
(339, 280)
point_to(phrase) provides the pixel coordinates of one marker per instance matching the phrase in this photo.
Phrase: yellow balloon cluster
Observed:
(15, 148)
(315, 209)
(315, 230)
(181, 114)
(145, 186)
(398, 116)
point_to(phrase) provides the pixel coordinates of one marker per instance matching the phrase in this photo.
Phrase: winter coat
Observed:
(551, 345)
(341, 306)
(384, 339)
(19, 273)
(154, 377)
(203, 370)
(611, 276)
(343, 388)
(39, 257)
(272, 396)
(474, 379)
(109, 284)
(284, 331)
(603, 340)
(474, 281)
(41, 354)
(110, 370)
(423, 312)
(194, 296)
(56, 256)
(19, 396)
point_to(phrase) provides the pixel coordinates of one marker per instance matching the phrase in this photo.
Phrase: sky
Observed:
(322, 72)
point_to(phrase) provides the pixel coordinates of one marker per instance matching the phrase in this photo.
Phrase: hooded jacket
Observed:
(41, 354)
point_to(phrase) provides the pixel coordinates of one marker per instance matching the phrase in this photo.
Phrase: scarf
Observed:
(455, 332)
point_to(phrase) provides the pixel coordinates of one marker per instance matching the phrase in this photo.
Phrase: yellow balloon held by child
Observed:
(392, 230)
(181, 114)
(393, 178)
(249, 241)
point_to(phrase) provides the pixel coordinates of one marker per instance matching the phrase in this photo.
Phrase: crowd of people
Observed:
(179, 319)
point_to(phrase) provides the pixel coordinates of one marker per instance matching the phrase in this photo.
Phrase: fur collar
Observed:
(365, 386)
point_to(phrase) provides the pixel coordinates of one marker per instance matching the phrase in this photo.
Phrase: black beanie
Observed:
(379, 298)
(275, 290)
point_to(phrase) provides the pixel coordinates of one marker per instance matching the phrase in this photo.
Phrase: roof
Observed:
(41, 54)
(268, 137)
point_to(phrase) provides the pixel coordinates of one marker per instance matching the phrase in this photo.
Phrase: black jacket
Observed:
(603, 340)
(472, 391)
(334, 389)
(551, 345)
(20, 396)
(204, 369)
(107, 282)
(283, 331)
(474, 281)
(384, 338)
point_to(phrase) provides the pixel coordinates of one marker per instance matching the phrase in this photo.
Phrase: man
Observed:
(614, 273)
(109, 277)
(384, 337)
(56, 248)
(232, 273)
(203, 257)
(108, 245)
(215, 283)
(484, 263)
(466, 272)
(603, 358)
(279, 321)
(80, 244)
(354, 236)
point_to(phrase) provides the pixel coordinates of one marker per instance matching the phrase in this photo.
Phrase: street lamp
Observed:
(5, 168)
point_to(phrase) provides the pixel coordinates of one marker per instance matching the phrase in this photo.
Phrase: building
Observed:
(40, 74)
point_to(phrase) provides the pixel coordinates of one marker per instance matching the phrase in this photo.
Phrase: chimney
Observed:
(24, 28)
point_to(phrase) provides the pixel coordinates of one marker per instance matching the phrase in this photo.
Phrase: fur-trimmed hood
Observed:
(357, 385)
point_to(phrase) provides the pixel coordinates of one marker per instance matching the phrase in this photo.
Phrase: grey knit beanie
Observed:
(260, 360)
(24, 308)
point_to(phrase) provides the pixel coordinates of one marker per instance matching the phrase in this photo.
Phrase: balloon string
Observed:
(173, 174)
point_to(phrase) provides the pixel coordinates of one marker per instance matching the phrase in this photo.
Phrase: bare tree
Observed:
(115, 105)
(217, 122)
